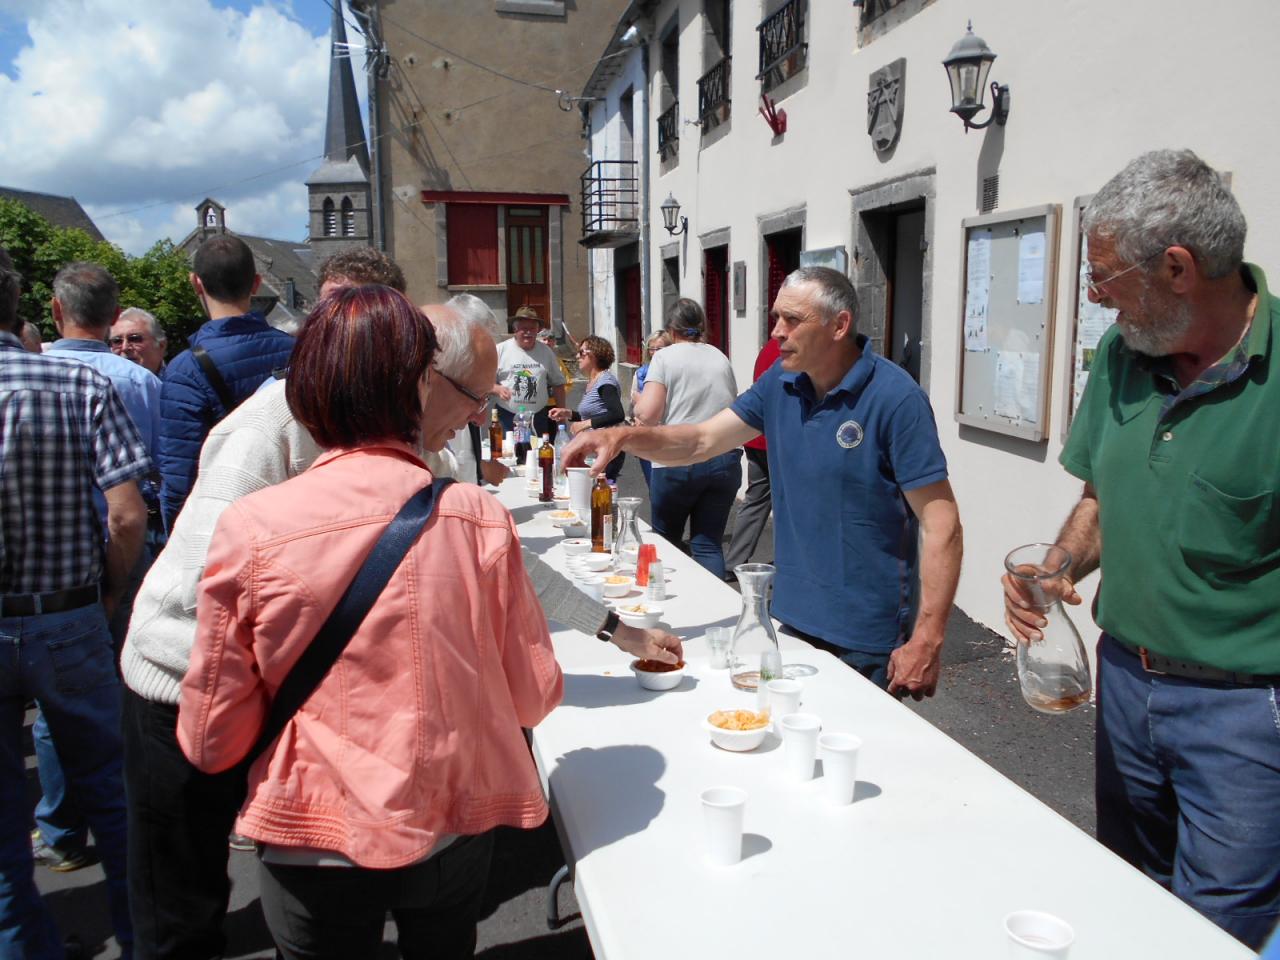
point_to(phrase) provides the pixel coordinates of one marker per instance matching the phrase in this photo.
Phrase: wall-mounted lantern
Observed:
(670, 213)
(967, 65)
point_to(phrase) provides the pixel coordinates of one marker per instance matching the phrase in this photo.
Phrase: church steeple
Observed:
(343, 132)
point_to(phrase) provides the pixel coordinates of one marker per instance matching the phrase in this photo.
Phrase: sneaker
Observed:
(56, 860)
(238, 842)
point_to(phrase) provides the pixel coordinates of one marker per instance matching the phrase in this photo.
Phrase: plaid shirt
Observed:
(63, 431)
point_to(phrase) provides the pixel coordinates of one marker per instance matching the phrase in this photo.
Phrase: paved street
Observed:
(978, 705)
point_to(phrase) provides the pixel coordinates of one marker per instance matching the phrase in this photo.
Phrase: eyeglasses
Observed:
(1094, 284)
(134, 338)
(480, 400)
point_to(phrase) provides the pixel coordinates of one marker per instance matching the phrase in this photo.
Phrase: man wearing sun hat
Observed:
(528, 374)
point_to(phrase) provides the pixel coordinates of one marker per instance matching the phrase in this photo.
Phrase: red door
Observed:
(527, 284)
(784, 256)
(716, 296)
(629, 283)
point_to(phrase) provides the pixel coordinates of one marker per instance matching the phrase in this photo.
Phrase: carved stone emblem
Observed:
(884, 104)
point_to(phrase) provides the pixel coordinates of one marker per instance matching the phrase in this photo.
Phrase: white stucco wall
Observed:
(1093, 84)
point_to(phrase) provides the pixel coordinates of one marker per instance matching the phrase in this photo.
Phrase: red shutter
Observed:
(716, 296)
(473, 243)
(631, 321)
(784, 256)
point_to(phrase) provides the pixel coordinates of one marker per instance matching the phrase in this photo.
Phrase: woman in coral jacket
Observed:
(383, 791)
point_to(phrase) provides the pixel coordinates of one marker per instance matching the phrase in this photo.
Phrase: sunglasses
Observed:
(134, 338)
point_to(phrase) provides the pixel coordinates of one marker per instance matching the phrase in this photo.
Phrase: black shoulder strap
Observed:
(323, 652)
(474, 432)
(214, 377)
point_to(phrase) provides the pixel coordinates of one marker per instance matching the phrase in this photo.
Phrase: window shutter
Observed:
(473, 243)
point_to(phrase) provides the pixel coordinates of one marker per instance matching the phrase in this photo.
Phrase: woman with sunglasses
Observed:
(601, 404)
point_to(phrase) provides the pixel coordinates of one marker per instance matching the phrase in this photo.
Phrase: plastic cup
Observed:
(1034, 935)
(531, 467)
(800, 743)
(722, 815)
(784, 698)
(839, 752)
(719, 640)
(592, 586)
(580, 490)
(509, 444)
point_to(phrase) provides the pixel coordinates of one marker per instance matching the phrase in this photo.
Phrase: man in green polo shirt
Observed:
(1177, 441)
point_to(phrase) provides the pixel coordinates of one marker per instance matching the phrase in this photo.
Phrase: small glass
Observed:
(1053, 671)
(719, 640)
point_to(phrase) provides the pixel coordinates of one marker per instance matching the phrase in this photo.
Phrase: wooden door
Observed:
(716, 296)
(527, 270)
(632, 332)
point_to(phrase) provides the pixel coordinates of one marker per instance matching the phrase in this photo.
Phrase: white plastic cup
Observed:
(509, 444)
(799, 733)
(784, 698)
(592, 586)
(723, 809)
(839, 752)
(1034, 935)
(719, 640)
(580, 490)
(531, 467)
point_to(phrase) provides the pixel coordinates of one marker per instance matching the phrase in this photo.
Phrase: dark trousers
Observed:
(316, 913)
(542, 422)
(873, 666)
(179, 819)
(702, 496)
(1188, 788)
(753, 514)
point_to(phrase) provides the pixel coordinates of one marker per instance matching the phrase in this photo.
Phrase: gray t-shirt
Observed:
(699, 382)
(529, 375)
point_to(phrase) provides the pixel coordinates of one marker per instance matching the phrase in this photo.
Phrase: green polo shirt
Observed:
(1188, 484)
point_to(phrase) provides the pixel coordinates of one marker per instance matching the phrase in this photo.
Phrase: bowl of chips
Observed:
(737, 730)
(639, 614)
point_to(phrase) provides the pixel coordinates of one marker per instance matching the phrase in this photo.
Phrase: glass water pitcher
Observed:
(1054, 670)
(754, 636)
(626, 532)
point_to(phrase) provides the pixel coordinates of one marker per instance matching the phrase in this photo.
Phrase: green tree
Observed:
(155, 281)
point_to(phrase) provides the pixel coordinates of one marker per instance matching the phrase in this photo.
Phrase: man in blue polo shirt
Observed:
(856, 472)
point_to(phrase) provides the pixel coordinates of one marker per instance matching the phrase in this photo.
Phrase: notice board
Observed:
(1089, 321)
(1008, 289)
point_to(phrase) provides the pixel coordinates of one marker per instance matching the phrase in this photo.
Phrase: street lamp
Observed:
(967, 65)
(670, 211)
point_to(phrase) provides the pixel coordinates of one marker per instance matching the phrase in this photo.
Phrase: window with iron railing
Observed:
(879, 16)
(713, 95)
(669, 131)
(610, 194)
(782, 44)
(874, 9)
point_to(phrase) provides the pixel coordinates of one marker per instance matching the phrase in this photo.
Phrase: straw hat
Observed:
(526, 313)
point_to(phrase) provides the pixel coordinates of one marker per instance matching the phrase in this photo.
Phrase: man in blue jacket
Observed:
(229, 357)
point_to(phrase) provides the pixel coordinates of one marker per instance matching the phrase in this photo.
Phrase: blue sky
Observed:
(139, 135)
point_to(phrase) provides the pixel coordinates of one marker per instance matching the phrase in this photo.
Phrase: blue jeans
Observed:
(873, 666)
(702, 495)
(64, 661)
(1188, 788)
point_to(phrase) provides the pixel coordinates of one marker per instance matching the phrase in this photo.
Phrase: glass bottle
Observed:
(753, 637)
(547, 466)
(626, 535)
(1053, 671)
(601, 516)
(495, 436)
(562, 478)
(523, 429)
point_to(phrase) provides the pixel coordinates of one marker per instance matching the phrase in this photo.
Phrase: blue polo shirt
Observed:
(844, 537)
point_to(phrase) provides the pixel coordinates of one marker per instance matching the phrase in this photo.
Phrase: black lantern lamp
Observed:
(967, 65)
(670, 211)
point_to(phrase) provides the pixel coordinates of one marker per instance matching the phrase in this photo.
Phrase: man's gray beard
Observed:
(1162, 339)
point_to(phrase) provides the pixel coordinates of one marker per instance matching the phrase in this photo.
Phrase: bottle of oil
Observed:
(601, 516)
(495, 436)
(547, 466)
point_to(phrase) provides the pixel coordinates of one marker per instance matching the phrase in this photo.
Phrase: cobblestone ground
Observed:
(978, 705)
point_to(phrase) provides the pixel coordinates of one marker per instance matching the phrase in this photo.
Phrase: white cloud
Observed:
(129, 103)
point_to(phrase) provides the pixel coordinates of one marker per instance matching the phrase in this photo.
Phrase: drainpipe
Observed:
(645, 293)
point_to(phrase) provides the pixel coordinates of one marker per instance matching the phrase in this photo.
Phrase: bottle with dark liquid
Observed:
(547, 466)
(601, 516)
(495, 436)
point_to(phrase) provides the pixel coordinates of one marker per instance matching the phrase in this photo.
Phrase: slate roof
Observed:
(60, 211)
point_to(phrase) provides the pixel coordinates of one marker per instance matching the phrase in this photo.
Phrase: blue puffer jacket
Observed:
(245, 350)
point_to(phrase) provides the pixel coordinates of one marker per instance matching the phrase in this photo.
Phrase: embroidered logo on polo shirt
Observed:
(849, 434)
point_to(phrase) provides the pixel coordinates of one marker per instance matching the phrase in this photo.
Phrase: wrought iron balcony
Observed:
(782, 45)
(874, 9)
(669, 131)
(610, 203)
(713, 95)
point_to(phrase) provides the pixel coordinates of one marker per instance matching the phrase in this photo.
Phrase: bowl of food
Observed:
(576, 546)
(563, 518)
(737, 730)
(616, 585)
(656, 675)
(596, 562)
(639, 614)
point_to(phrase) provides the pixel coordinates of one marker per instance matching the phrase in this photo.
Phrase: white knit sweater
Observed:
(258, 445)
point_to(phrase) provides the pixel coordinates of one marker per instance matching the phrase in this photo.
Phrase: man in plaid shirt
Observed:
(63, 432)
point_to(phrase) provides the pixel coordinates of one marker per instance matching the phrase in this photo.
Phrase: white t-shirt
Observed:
(529, 375)
(699, 382)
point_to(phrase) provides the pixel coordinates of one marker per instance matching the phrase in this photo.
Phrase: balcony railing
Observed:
(873, 9)
(713, 95)
(669, 131)
(610, 199)
(781, 40)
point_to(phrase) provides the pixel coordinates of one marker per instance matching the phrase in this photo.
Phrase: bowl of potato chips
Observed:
(737, 730)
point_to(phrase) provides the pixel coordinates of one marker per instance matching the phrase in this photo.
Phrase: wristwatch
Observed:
(610, 627)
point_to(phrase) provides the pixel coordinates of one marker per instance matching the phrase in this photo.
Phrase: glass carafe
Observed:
(626, 532)
(754, 634)
(1054, 670)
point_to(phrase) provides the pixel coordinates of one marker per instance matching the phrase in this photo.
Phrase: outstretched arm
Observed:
(674, 446)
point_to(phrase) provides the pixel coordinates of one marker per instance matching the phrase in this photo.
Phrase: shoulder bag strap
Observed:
(214, 377)
(323, 652)
(473, 431)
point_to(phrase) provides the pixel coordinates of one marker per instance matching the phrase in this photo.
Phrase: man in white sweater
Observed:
(179, 818)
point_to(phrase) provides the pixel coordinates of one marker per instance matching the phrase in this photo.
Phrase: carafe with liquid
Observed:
(1053, 671)
(755, 644)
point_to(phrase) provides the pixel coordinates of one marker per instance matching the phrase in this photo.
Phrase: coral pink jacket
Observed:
(416, 731)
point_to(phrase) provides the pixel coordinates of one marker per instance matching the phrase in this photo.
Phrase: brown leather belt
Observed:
(1191, 670)
(35, 604)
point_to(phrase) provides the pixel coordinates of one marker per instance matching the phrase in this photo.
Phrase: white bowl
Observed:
(620, 588)
(562, 517)
(647, 616)
(576, 546)
(657, 679)
(739, 741)
(596, 561)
